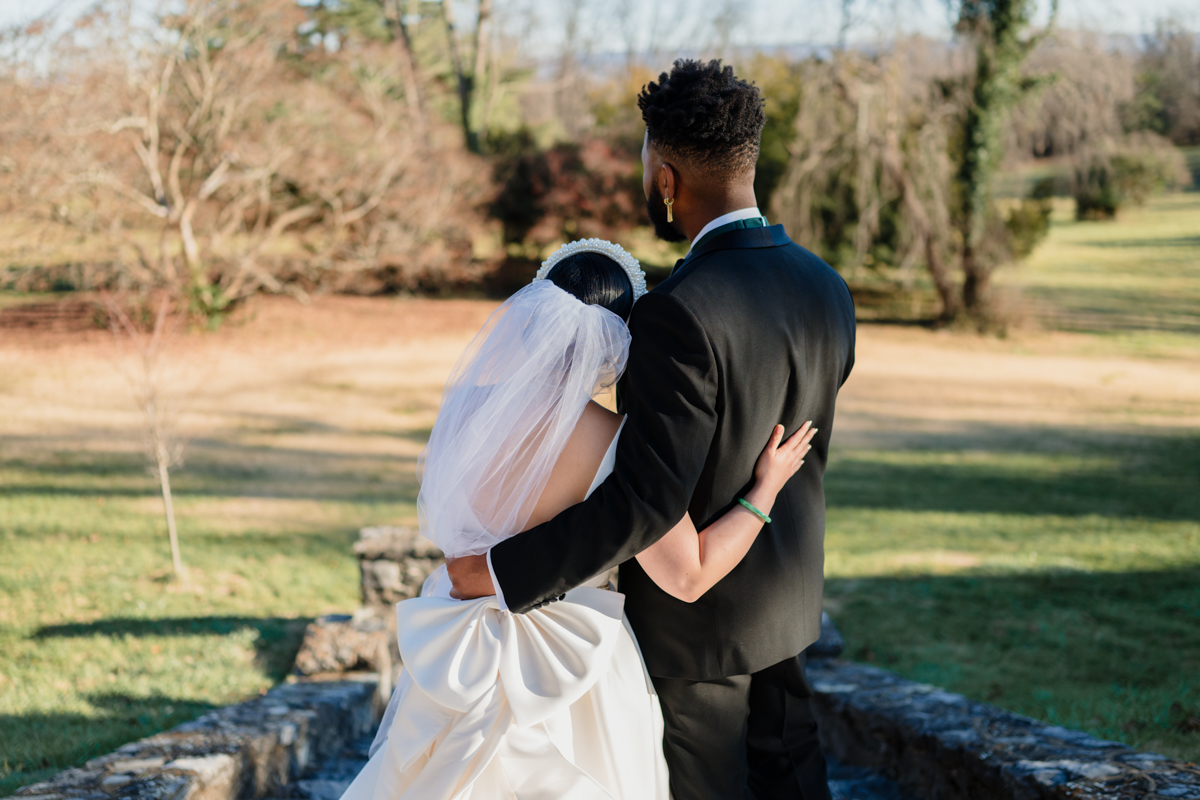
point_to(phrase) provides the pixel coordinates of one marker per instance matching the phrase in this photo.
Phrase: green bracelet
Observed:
(755, 511)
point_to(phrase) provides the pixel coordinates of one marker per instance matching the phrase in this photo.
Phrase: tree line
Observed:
(228, 148)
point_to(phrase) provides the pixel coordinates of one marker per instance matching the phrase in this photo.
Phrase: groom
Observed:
(750, 330)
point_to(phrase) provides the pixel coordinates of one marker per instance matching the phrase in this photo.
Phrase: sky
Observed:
(783, 22)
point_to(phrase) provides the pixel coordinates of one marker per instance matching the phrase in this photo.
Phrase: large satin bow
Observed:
(472, 672)
(455, 651)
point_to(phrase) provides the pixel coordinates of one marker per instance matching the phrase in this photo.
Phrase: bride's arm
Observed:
(686, 563)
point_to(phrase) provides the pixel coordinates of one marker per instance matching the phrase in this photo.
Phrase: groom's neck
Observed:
(716, 202)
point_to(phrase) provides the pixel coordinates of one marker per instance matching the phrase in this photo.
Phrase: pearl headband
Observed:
(637, 278)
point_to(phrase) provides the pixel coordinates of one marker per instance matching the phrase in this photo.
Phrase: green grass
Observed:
(1137, 276)
(99, 646)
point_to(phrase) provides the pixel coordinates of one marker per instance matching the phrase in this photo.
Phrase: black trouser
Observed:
(746, 736)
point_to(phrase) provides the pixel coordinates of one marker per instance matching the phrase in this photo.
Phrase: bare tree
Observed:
(193, 96)
(217, 153)
(469, 82)
(483, 42)
(145, 346)
(628, 28)
(408, 60)
(1169, 82)
(849, 15)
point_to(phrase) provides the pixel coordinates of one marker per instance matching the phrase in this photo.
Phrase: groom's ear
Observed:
(668, 180)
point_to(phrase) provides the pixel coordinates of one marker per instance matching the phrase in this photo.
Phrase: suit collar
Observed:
(725, 219)
(741, 239)
(736, 239)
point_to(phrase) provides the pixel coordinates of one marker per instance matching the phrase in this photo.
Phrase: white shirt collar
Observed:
(724, 219)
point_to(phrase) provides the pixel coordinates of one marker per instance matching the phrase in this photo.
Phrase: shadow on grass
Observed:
(1022, 471)
(275, 646)
(274, 424)
(976, 468)
(1167, 241)
(1099, 310)
(1113, 653)
(220, 468)
(37, 745)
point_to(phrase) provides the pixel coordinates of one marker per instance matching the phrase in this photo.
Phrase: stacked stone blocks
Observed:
(242, 752)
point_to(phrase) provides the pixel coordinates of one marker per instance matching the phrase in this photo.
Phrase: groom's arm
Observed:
(670, 403)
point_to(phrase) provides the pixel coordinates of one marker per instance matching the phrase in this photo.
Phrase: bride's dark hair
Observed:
(596, 280)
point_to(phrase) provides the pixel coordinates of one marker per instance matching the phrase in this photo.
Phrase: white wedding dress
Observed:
(555, 704)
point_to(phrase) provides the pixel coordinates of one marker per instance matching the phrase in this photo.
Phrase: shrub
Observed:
(1107, 180)
(1029, 223)
(568, 191)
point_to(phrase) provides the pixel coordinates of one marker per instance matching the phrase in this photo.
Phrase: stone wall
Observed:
(942, 746)
(393, 564)
(242, 752)
(362, 641)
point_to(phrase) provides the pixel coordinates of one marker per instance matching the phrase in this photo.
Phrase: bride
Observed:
(555, 703)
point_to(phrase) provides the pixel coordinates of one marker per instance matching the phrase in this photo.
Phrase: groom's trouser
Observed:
(745, 736)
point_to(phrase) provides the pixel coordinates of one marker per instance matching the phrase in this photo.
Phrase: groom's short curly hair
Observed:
(704, 114)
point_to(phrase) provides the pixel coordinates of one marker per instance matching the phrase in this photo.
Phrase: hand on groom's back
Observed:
(470, 576)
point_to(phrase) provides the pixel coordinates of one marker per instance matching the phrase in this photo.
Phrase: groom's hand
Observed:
(470, 576)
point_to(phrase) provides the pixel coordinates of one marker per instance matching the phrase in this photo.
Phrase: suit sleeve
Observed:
(670, 403)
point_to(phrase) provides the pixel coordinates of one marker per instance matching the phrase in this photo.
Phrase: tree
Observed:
(869, 176)
(1168, 97)
(400, 22)
(871, 183)
(149, 382)
(219, 153)
(1000, 32)
(469, 83)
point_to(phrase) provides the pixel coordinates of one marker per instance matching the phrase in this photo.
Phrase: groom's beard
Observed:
(656, 209)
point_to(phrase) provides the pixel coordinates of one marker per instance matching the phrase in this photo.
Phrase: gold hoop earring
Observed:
(670, 201)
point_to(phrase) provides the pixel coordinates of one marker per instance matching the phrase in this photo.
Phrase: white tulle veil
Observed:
(509, 407)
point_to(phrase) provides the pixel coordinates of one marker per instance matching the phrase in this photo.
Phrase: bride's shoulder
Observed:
(598, 418)
(594, 432)
(581, 458)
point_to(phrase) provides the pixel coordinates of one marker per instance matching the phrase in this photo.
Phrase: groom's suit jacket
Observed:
(749, 331)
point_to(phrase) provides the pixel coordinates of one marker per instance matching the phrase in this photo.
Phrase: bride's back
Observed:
(576, 468)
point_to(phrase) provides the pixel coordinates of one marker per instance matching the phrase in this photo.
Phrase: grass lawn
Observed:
(98, 646)
(1061, 582)
(8, 299)
(1033, 539)
(293, 445)
(1017, 519)
(1135, 280)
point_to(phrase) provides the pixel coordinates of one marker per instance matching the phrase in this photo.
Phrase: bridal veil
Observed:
(509, 407)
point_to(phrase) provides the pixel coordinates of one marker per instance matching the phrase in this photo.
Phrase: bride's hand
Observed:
(779, 462)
